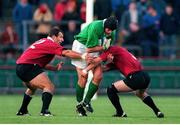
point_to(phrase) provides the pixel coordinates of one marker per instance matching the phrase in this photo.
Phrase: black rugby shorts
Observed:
(137, 80)
(26, 72)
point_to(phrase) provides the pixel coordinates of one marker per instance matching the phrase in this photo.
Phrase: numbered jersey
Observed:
(123, 60)
(41, 52)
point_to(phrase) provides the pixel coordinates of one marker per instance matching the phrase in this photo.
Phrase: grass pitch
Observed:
(64, 109)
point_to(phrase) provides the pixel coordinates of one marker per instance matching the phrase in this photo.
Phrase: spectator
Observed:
(116, 3)
(159, 5)
(1, 10)
(43, 15)
(21, 12)
(60, 9)
(70, 13)
(119, 12)
(150, 44)
(83, 11)
(130, 23)
(34, 2)
(102, 9)
(142, 6)
(50, 3)
(169, 28)
(69, 35)
(177, 9)
(9, 41)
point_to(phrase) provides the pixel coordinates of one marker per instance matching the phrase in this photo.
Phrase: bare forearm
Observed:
(106, 68)
(92, 65)
(50, 67)
(71, 54)
(95, 49)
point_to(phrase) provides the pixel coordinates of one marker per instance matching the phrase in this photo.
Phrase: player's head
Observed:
(151, 9)
(56, 35)
(110, 24)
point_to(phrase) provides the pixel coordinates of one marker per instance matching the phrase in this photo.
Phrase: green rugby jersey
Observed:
(91, 34)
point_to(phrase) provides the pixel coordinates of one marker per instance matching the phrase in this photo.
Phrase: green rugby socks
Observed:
(91, 91)
(79, 93)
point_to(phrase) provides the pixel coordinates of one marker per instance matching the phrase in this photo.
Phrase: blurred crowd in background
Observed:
(147, 24)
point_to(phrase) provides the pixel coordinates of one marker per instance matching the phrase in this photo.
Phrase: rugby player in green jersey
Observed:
(93, 39)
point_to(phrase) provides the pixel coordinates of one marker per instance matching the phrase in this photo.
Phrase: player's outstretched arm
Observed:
(92, 65)
(54, 68)
(95, 49)
(74, 55)
(105, 46)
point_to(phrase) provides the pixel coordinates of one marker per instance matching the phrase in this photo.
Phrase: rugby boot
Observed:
(80, 110)
(120, 115)
(88, 107)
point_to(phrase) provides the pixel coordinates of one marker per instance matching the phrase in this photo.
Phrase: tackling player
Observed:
(30, 67)
(136, 79)
(88, 41)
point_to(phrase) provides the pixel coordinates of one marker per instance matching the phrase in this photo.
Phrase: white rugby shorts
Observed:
(80, 48)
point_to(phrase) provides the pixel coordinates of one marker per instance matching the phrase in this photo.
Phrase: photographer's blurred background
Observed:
(150, 29)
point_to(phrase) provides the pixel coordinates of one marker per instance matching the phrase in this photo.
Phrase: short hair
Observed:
(169, 5)
(54, 31)
(151, 6)
(111, 23)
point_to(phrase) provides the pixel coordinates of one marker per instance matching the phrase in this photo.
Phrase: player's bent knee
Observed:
(112, 89)
(82, 82)
(49, 88)
(138, 94)
(30, 91)
(97, 79)
(141, 94)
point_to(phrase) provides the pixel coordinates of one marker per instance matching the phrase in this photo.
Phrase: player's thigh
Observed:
(141, 93)
(138, 80)
(42, 81)
(97, 74)
(80, 48)
(26, 72)
(121, 86)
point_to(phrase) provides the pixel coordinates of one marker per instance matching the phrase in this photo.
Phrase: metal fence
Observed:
(164, 80)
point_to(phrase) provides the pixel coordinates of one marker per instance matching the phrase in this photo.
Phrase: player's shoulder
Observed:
(49, 42)
(43, 40)
(117, 49)
(96, 23)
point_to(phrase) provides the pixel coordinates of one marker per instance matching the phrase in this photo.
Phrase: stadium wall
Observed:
(165, 77)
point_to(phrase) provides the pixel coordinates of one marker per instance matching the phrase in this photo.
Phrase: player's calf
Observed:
(114, 98)
(24, 107)
(46, 99)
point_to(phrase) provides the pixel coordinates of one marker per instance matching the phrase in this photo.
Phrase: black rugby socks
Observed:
(114, 98)
(148, 101)
(25, 103)
(46, 99)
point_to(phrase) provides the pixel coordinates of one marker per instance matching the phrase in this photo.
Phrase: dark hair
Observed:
(54, 31)
(151, 6)
(111, 23)
(169, 5)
